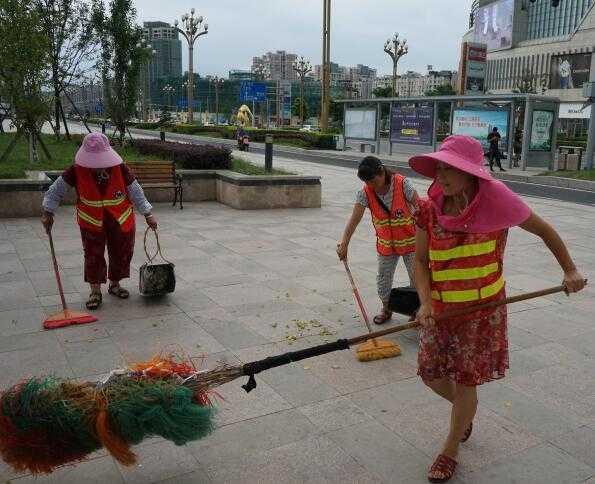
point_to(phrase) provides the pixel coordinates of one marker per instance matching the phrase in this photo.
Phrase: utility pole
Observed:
(326, 64)
(302, 67)
(396, 49)
(193, 29)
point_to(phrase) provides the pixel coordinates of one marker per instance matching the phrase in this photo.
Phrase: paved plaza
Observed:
(258, 283)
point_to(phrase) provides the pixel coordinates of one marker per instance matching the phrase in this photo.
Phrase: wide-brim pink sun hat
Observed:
(97, 153)
(461, 152)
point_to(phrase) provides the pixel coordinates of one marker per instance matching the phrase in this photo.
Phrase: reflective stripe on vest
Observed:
(469, 295)
(103, 203)
(464, 274)
(470, 250)
(395, 243)
(87, 218)
(392, 222)
(125, 216)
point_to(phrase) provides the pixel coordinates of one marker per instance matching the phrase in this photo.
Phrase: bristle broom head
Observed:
(68, 318)
(377, 349)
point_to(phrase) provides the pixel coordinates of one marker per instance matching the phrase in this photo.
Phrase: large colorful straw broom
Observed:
(46, 422)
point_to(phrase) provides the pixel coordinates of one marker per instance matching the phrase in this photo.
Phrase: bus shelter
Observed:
(527, 123)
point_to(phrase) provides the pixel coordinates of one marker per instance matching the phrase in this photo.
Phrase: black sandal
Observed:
(118, 291)
(383, 317)
(94, 301)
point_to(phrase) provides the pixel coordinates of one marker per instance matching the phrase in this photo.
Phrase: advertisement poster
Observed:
(541, 132)
(478, 123)
(360, 124)
(570, 71)
(412, 126)
(474, 68)
(493, 25)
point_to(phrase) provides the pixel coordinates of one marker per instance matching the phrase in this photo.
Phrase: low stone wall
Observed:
(22, 198)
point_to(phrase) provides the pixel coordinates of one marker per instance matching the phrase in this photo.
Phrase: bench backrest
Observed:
(153, 171)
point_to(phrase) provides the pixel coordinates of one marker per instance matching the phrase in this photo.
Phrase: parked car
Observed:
(309, 127)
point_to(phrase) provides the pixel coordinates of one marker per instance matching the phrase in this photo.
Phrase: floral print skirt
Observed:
(470, 352)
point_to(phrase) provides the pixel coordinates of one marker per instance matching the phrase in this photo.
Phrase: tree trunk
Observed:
(37, 135)
(11, 146)
(57, 104)
(64, 120)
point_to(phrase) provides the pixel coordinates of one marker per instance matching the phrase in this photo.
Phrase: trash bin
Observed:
(339, 142)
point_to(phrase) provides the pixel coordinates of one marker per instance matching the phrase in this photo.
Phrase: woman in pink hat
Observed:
(459, 253)
(106, 194)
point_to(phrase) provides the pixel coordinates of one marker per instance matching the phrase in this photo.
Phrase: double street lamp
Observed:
(217, 83)
(302, 67)
(396, 48)
(168, 90)
(192, 29)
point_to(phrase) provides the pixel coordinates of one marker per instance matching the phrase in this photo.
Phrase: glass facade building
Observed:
(546, 21)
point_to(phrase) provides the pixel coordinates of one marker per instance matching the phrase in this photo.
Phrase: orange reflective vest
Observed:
(92, 204)
(395, 231)
(466, 269)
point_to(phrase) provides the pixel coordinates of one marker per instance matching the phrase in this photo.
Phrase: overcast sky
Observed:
(241, 29)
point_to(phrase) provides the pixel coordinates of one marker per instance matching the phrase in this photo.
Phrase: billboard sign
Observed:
(414, 126)
(478, 123)
(474, 68)
(493, 25)
(360, 124)
(574, 111)
(253, 91)
(541, 131)
(570, 71)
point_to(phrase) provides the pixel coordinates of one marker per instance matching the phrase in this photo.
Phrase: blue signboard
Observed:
(183, 104)
(414, 126)
(253, 91)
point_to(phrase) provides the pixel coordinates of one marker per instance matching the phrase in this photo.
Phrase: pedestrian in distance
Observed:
(494, 152)
(390, 197)
(459, 252)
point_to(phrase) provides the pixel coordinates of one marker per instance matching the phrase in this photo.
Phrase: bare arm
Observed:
(354, 220)
(573, 280)
(422, 278)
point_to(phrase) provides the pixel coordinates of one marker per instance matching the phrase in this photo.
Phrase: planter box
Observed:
(22, 198)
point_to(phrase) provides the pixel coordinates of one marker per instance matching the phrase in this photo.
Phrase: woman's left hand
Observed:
(151, 221)
(574, 281)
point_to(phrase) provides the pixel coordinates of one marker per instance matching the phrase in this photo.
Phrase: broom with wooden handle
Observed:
(374, 349)
(66, 317)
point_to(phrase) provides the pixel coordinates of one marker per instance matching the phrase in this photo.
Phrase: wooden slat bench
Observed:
(158, 174)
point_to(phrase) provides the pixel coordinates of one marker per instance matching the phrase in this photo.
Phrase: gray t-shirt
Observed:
(387, 198)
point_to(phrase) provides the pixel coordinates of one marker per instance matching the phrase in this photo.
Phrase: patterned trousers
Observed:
(120, 248)
(387, 265)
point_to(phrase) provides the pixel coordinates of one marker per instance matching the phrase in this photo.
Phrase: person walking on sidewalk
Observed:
(460, 245)
(494, 152)
(106, 193)
(389, 196)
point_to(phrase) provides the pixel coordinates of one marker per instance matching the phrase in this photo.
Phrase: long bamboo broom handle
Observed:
(462, 312)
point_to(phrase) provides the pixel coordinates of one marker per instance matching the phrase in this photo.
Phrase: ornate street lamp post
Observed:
(148, 52)
(302, 67)
(168, 91)
(192, 29)
(217, 83)
(396, 49)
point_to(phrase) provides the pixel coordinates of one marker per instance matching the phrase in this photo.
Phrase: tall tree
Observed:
(121, 59)
(296, 110)
(24, 59)
(68, 26)
(383, 91)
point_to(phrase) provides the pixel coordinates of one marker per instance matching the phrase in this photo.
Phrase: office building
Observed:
(279, 65)
(536, 46)
(165, 40)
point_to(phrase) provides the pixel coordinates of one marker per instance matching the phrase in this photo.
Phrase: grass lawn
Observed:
(578, 175)
(63, 152)
(242, 166)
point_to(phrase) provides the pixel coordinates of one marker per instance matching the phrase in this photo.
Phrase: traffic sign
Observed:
(253, 91)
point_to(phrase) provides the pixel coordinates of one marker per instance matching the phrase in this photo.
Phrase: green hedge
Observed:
(311, 139)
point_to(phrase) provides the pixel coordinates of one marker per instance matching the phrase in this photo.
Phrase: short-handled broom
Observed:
(66, 317)
(374, 349)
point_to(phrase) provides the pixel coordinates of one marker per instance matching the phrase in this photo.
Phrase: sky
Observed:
(242, 29)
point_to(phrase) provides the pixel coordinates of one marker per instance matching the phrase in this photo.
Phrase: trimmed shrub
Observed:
(184, 155)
